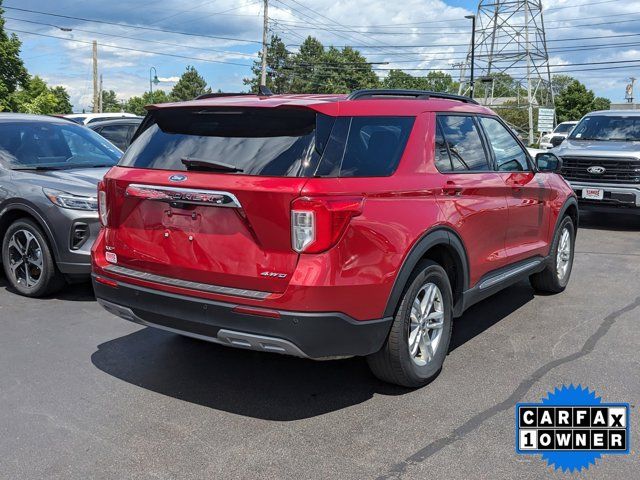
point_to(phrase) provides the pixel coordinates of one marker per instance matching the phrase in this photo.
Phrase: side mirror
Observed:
(548, 162)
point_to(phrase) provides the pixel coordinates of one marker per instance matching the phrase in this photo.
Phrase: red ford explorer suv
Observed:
(328, 225)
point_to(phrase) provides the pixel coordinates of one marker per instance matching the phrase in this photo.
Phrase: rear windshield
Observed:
(270, 142)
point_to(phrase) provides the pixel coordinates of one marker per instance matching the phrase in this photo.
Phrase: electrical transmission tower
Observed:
(511, 59)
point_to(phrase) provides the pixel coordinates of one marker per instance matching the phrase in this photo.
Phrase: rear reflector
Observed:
(261, 312)
(107, 282)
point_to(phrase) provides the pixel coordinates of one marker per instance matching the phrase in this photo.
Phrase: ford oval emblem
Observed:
(177, 178)
(596, 170)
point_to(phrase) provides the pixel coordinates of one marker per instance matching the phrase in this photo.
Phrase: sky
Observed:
(221, 38)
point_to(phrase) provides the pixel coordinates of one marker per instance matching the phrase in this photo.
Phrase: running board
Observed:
(502, 277)
(497, 281)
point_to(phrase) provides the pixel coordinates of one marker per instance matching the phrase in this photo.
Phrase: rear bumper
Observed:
(304, 334)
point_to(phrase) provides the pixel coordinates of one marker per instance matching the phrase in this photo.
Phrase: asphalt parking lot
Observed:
(84, 394)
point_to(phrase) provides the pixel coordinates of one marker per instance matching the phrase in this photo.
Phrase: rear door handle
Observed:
(451, 189)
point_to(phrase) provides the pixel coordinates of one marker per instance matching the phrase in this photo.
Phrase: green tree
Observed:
(438, 81)
(313, 69)
(279, 70)
(403, 80)
(435, 81)
(601, 103)
(190, 85)
(559, 83)
(62, 99)
(110, 102)
(12, 70)
(136, 104)
(576, 101)
(38, 98)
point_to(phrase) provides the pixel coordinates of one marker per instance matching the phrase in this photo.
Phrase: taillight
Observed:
(103, 211)
(318, 223)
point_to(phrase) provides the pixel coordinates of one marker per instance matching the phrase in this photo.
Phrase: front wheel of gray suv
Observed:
(418, 342)
(28, 261)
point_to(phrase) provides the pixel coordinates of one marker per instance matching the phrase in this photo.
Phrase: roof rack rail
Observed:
(417, 94)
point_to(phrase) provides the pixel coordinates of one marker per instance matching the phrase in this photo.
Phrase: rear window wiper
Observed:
(202, 164)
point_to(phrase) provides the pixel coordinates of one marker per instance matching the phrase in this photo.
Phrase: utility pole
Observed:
(265, 29)
(96, 98)
(472, 81)
(100, 95)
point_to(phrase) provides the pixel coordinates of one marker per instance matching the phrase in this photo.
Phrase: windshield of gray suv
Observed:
(41, 145)
(608, 127)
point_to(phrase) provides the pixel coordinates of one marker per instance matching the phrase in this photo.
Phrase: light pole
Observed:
(153, 80)
(473, 52)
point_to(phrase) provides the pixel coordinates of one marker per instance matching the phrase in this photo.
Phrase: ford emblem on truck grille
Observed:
(596, 170)
(177, 178)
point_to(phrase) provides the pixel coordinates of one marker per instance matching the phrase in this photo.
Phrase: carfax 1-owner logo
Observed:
(571, 428)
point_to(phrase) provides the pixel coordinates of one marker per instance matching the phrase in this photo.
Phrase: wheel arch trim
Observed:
(24, 207)
(569, 202)
(440, 235)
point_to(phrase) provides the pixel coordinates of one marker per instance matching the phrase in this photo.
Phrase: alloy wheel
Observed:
(426, 323)
(25, 258)
(563, 257)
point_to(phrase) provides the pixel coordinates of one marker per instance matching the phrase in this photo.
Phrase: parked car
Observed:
(49, 170)
(601, 161)
(87, 118)
(555, 138)
(119, 131)
(328, 225)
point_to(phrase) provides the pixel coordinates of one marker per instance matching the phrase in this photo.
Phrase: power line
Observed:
(574, 6)
(129, 49)
(93, 32)
(139, 27)
(301, 26)
(599, 37)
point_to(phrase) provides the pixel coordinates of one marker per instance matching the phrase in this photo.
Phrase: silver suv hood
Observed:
(599, 149)
(80, 181)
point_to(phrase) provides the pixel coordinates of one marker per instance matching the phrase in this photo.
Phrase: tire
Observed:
(42, 277)
(394, 363)
(554, 278)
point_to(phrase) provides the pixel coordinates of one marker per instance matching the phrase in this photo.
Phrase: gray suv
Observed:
(601, 161)
(49, 171)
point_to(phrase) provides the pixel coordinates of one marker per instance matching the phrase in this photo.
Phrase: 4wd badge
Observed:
(274, 275)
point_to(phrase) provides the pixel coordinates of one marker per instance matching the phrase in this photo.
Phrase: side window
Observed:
(364, 146)
(116, 134)
(510, 156)
(465, 145)
(443, 160)
(375, 145)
